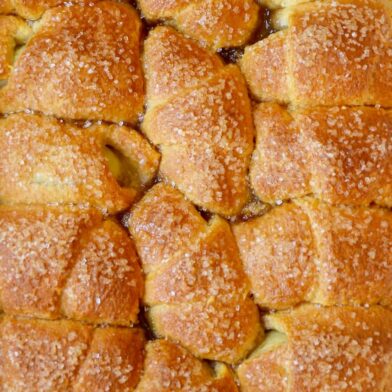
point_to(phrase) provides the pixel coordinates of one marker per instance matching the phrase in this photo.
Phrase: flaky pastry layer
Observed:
(199, 114)
(322, 349)
(330, 52)
(214, 23)
(343, 155)
(82, 62)
(33, 9)
(45, 160)
(67, 263)
(170, 368)
(195, 286)
(47, 356)
(310, 251)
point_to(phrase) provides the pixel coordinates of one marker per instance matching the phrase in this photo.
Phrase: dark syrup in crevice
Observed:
(144, 323)
(263, 30)
(206, 215)
(134, 4)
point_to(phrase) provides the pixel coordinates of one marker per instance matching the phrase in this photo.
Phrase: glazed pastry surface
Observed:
(195, 286)
(171, 368)
(81, 63)
(322, 349)
(342, 155)
(33, 9)
(46, 356)
(330, 52)
(199, 114)
(13, 32)
(195, 196)
(310, 251)
(214, 23)
(65, 262)
(49, 161)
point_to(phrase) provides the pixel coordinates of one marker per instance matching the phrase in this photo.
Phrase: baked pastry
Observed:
(199, 114)
(330, 52)
(209, 251)
(322, 349)
(47, 356)
(13, 32)
(82, 62)
(33, 9)
(170, 368)
(342, 155)
(195, 286)
(65, 262)
(215, 23)
(45, 160)
(276, 4)
(310, 251)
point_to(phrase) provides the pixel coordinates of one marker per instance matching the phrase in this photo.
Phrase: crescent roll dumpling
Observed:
(170, 368)
(199, 114)
(313, 252)
(214, 23)
(44, 160)
(317, 349)
(275, 4)
(195, 285)
(82, 62)
(33, 9)
(342, 155)
(66, 262)
(13, 32)
(47, 356)
(330, 52)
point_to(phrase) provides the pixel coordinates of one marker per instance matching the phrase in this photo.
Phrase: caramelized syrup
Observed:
(263, 30)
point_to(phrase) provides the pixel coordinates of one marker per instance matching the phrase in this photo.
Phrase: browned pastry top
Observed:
(170, 368)
(13, 31)
(82, 62)
(343, 155)
(195, 285)
(322, 349)
(33, 9)
(295, 295)
(330, 52)
(44, 160)
(199, 113)
(311, 251)
(67, 262)
(214, 23)
(47, 356)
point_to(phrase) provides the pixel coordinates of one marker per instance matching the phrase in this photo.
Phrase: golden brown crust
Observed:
(214, 329)
(189, 63)
(13, 31)
(276, 4)
(81, 63)
(48, 161)
(266, 372)
(195, 284)
(328, 349)
(114, 361)
(278, 255)
(63, 262)
(335, 53)
(266, 67)
(170, 368)
(215, 23)
(33, 9)
(340, 154)
(204, 128)
(311, 251)
(46, 356)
